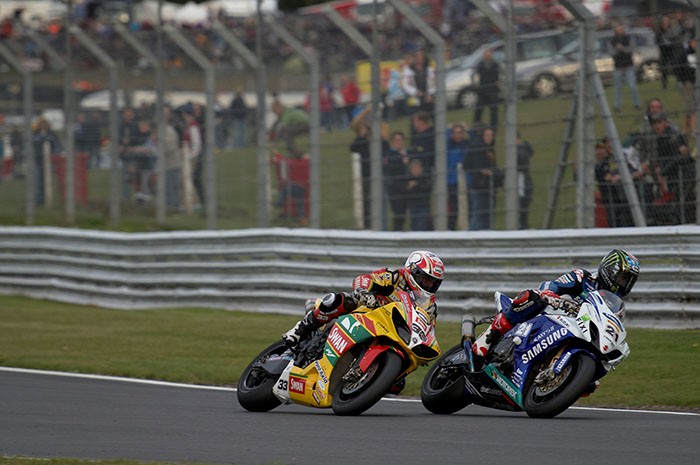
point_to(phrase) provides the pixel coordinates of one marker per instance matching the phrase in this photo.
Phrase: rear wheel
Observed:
(442, 391)
(549, 399)
(352, 395)
(255, 385)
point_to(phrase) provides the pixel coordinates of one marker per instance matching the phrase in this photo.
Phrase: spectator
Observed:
(173, 162)
(129, 137)
(609, 181)
(294, 186)
(17, 146)
(194, 151)
(142, 161)
(675, 170)
(418, 191)
(350, 92)
(621, 50)
(361, 145)
(395, 96)
(480, 168)
(488, 74)
(290, 124)
(395, 162)
(669, 36)
(685, 74)
(418, 81)
(524, 182)
(456, 150)
(46, 143)
(238, 112)
(423, 140)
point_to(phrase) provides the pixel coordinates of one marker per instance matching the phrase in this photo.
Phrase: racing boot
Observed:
(300, 330)
(492, 334)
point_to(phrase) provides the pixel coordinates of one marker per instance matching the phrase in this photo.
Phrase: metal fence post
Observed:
(30, 174)
(209, 168)
(511, 111)
(595, 86)
(311, 58)
(160, 159)
(254, 62)
(440, 110)
(115, 174)
(377, 182)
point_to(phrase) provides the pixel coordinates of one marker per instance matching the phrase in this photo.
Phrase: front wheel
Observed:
(442, 391)
(255, 385)
(354, 396)
(553, 397)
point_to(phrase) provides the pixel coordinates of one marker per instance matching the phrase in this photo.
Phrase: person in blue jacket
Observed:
(456, 151)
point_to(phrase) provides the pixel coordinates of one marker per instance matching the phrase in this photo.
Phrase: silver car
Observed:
(531, 49)
(559, 72)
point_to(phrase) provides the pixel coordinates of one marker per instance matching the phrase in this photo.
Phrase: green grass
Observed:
(213, 347)
(542, 122)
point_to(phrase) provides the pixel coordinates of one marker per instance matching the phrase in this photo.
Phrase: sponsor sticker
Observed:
(297, 385)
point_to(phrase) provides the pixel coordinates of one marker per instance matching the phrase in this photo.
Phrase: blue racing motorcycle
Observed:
(541, 366)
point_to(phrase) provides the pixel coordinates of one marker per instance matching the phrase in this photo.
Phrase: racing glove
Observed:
(384, 283)
(365, 298)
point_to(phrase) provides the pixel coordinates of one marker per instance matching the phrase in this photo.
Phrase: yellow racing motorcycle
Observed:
(348, 365)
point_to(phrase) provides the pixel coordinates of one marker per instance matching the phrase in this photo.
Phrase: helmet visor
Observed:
(425, 281)
(625, 282)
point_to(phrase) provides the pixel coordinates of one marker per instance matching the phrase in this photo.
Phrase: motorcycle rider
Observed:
(617, 273)
(422, 273)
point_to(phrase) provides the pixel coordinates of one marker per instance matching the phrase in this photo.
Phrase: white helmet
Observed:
(426, 271)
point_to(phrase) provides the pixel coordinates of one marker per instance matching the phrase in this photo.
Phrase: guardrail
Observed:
(275, 270)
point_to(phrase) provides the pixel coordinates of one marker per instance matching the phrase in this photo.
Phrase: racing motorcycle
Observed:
(348, 365)
(541, 366)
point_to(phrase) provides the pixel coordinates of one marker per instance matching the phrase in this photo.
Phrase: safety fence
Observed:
(275, 270)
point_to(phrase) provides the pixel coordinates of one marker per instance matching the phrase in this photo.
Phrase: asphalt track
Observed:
(45, 414)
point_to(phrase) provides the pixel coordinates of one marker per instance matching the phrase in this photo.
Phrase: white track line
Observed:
(229, 389)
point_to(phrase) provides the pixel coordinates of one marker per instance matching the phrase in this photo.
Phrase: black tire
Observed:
(254, 388)
(573, 383)
(382, 374)
(442, 392)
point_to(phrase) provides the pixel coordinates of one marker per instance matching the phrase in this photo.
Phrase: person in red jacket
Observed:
(422, 274)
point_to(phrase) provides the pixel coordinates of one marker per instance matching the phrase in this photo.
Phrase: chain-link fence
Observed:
(158, 128)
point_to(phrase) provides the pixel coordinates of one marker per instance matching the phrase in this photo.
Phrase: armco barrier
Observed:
(275, 270)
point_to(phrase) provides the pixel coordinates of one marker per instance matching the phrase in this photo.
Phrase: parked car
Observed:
(530, 49)
(559, 73)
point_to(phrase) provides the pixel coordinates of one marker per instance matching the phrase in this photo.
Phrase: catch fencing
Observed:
(275, 270)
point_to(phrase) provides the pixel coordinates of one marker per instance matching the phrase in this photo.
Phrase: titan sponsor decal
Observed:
(315, 396)
(541, 346)
(297, 385)
(562, 363)
(338, 340)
